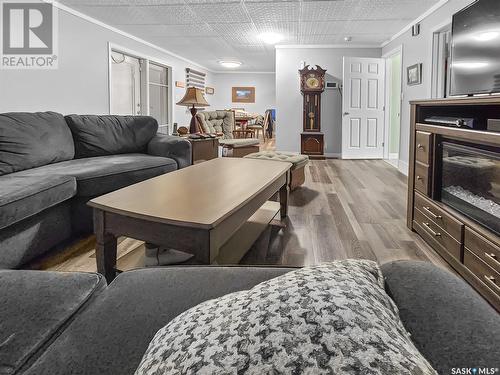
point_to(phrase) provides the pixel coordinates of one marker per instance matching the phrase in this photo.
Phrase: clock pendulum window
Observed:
(312, 84)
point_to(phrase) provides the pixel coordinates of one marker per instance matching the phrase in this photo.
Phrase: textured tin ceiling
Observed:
(207, 31)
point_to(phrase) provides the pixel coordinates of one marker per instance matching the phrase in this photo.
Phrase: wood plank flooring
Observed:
(346, 209)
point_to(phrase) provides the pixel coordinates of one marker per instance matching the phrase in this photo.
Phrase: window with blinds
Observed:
(195, 78)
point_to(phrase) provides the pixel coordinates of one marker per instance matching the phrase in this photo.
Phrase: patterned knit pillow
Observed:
(333, 318)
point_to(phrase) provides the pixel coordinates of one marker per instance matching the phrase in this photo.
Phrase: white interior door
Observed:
(363, 108)
(125, 84)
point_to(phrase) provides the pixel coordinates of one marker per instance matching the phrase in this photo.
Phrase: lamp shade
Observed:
(193, 97)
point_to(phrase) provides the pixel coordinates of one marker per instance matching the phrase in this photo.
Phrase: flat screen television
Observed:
(475, 56)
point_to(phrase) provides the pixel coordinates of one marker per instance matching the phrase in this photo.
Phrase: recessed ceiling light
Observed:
(230, 63)
(271, 38)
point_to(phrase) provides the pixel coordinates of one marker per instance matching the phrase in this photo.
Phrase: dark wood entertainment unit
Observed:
(467, 243)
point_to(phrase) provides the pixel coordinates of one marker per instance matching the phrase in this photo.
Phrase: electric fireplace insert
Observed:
(469, 181)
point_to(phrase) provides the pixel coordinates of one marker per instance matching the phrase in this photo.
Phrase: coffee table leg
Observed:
(284, 192)
(105, 250)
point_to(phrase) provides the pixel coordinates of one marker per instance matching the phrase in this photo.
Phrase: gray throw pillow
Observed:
(329, 319)
(110, 135)
(29, 140)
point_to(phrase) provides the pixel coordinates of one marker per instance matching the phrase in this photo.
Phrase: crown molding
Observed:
(325, 46)
(124, 33)
(416, 20)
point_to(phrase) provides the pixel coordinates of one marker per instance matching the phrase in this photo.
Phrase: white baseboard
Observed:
(403, 167)
(392, 162)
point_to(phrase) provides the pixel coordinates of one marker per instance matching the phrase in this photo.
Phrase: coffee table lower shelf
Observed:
(243, 239)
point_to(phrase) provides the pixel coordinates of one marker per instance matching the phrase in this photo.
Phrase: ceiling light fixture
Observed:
(230, 63)
(347, 39)
(271, 38)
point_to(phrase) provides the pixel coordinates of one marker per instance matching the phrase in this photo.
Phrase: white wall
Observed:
(289, 98)
(80, 84)
(265, 91)
(419, 50)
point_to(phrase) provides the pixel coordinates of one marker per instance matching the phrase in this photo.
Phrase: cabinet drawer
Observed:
(439, 217)
(423, 142)
(422, 178)
(483, 272)
(484, 249)
(431, 230)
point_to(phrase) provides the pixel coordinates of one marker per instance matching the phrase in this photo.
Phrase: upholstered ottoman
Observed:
(298, 163)
(239, 148)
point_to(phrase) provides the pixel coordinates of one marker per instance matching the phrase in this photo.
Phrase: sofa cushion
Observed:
(450, 323)
(110, 135)
(328, 319)
(25, 196)
(103, 174)
(35, 306)
(30, 140)
(113, 334)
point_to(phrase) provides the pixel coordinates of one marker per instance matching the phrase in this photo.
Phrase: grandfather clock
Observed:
(312, 84)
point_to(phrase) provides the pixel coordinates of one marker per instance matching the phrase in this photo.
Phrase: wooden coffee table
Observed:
(210, 210)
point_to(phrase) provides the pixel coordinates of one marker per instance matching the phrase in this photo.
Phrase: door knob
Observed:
(346, 113)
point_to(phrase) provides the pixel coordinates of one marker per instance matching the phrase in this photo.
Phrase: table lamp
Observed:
(194, 98)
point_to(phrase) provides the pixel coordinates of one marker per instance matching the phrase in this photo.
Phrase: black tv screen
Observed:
(475, 65)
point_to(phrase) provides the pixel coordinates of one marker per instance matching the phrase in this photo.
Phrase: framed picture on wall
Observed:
(209, 90)
(414, 75)
(243, 95)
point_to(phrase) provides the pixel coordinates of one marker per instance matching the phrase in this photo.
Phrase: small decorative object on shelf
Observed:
(174, 130)
(183, 130)
(312, 84)
(194, 98)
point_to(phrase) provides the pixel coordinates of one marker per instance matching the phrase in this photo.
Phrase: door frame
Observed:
(387, 107)
(145, 60)
(437, 86)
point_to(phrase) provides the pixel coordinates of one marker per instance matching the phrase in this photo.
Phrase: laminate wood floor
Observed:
(346, 209)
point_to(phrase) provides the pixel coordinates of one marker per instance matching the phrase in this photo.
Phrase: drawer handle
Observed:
(420, 147)
(428, 210)
(428, 227)
(490, 280)
(419, 178)
(492, 256)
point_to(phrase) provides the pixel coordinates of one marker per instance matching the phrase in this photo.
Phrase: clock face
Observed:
(312, 82)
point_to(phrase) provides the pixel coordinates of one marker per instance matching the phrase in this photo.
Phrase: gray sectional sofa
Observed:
(51, 166)
(73, 323)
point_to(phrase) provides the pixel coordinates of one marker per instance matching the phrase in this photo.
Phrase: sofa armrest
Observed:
(175, 148)
(449, 322)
